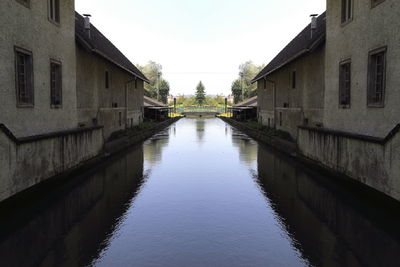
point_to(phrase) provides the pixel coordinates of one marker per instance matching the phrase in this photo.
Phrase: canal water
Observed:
(199, 193)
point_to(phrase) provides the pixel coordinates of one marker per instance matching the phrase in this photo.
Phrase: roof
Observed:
(150, 102)
(99, 44)
(250, 102)
(300, 45)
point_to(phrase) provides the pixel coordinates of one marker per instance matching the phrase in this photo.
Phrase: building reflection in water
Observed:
(72, 225)
(200, 130)
(153, 147)
(325, 223)
(247, 148)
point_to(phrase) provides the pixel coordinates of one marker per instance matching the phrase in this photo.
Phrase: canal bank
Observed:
(199, 193)
(291, 150)
(36, 177)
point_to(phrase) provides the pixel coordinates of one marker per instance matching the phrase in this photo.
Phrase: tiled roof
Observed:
(150, 102)
(300, 45)
(250, 102)
(99, 44)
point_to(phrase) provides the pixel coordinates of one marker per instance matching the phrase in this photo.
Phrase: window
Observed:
(294, 80)
(26, 3)
(136, 84)
(377, 78)
(54, 10)
(345, 84)
(374, 3)
(107, 79)
(55, 84)
(24, 78)
(347, 10)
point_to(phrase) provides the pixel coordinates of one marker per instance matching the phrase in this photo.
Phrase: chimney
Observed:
(313, 24)
(87, 23)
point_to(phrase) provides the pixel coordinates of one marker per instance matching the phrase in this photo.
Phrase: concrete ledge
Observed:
(120, 144)
(277, 143)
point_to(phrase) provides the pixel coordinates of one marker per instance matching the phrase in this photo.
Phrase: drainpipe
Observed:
(273, 98)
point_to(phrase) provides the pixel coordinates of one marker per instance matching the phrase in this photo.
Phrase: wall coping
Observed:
(34, 138)
(361, 137)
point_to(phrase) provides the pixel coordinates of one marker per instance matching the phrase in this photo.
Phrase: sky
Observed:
(200, 40)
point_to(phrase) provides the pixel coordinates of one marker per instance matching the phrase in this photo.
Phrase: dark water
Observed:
(198, 194)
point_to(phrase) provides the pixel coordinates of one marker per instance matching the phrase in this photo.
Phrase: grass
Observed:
(269, 131)
(132, 131)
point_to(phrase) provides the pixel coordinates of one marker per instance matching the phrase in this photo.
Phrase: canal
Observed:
(199, 193)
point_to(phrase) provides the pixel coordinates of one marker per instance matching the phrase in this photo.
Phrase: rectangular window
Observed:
(26, 3)
(136, 84)
(374, 3)
(54, 10)
(294, 80)
(24, 78)
(55, 84)
(107, 80)
(345, 84)
(347, 10)
(377, 78)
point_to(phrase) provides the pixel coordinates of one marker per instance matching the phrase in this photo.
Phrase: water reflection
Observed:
(247, 148)
(73, 224)
(154, 146)
(200, 129)
(324, 221)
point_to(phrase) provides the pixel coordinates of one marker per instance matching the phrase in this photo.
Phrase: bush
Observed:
(270, 131)
(131, 131)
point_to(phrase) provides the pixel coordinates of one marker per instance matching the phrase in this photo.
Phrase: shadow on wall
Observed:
(83, 213)
(327, 225)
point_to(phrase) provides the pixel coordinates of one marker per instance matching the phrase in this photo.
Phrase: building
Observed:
(245, 110)
(39, 134)
(38, 66)
(155, 110)
(109, 87)
(361, 136)
(291, 87)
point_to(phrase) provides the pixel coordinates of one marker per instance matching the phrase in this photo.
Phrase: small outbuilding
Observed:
(245, 110)
(155, 110)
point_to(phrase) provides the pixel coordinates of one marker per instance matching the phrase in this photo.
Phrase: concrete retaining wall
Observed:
(372, 161)
(25, 162)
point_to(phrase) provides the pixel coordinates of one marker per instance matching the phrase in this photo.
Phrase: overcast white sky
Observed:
(203, 40)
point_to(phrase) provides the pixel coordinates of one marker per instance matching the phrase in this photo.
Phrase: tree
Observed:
(164, 91)
(152, 71)
(200, 94)
(247, 72)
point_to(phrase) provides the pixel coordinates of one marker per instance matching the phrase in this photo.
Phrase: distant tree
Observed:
(151, 70)
(164, 91)
(247, 72)
(200, 94)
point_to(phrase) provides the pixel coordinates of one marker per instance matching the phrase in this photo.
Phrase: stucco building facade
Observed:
(31, 39)
(291, 87)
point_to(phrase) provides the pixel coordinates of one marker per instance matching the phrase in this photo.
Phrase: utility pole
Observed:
(158, 85)
(241, 84)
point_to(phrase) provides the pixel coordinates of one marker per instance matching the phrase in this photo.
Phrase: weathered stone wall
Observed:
(373, 162)
(25, 163)
(370, 28)
(29, 28)
(106, 106)
(294, 105)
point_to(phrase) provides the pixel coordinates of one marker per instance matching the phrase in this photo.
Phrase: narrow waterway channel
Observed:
(198, 194)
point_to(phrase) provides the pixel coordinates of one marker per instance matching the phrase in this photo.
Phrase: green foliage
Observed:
(200, 94)
(152, 70)
(248, 70)
(270, 131)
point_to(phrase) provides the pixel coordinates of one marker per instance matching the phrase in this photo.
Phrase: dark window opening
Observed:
(345, 84)
(54, 10)
(377, 78)
(55, 84)
(24, 78)
(347, 10)
(136, 84)
(107, 79)
(374, 3)
(294, 80)
(26, 3)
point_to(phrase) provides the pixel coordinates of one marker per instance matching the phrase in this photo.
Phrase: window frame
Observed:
(19, 104)
(376, 3)
(347, 19)
(26, 3)
(341, 64)
(49, 12)
(371, 54)
(53, 105)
